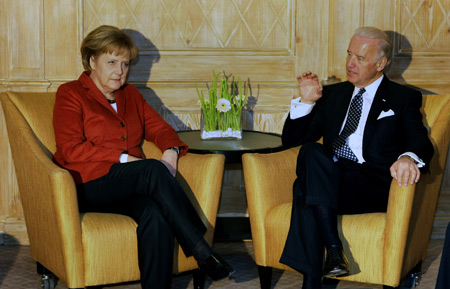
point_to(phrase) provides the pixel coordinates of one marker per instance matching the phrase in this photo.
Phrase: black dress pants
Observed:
(147, 192)
(344, 185)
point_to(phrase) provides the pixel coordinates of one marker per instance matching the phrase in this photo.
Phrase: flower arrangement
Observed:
(222, 108)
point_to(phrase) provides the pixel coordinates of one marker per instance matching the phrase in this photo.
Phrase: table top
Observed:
(233, 149)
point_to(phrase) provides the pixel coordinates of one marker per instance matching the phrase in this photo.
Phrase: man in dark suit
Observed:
(372, 132)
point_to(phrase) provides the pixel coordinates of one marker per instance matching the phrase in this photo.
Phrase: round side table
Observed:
(251, 142)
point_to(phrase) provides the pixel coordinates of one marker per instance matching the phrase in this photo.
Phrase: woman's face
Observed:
(109, 71)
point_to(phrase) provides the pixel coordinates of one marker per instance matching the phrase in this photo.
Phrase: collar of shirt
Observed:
(355, 140)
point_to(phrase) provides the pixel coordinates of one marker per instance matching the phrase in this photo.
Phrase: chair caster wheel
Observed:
(48, 282)
(412, 280)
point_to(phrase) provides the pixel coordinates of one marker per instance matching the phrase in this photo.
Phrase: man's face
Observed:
(364, 61)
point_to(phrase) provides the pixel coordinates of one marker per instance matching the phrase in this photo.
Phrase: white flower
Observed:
(223, 105)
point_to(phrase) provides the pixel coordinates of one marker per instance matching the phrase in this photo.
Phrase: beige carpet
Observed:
(17, 270)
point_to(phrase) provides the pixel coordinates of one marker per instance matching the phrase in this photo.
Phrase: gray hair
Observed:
(385, 48)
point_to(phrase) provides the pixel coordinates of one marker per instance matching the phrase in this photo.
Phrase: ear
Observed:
(381, 64)
(92, 62)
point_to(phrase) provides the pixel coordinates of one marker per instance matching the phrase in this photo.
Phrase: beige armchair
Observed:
(398, 239)
(92, 248)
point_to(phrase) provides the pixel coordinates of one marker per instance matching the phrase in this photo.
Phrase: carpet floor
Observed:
(18, 271)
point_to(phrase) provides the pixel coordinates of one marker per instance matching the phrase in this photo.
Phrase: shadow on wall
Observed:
(140, 74)
(404, 60)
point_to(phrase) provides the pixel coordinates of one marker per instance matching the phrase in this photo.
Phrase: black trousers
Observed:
(345, 185)
(147, 192)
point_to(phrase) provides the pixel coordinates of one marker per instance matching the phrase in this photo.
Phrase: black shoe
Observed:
(216, 267)
(336, 263)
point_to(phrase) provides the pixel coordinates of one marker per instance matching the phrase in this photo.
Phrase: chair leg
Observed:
(411, 280)
(199, 279)
(265, 276)
(48, 279)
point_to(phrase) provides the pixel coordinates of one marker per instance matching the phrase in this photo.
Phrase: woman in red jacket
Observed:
(100, 122)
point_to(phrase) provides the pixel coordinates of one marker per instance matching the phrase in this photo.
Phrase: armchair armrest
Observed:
(396, 231)
(268, 180)
(201, 178)
(265, 187)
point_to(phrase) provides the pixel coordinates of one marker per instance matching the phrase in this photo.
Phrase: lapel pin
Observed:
(383, 100)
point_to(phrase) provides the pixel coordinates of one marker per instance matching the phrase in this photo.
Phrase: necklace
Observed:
(111, 101)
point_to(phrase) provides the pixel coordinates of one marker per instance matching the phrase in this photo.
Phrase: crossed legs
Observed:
(322, 190)
(146, 191)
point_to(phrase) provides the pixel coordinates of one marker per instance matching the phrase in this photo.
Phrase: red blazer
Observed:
(91, 136)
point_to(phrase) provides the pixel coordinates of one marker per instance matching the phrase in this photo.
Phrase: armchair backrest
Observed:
(436, 112)
(37, 110)
(47, 192)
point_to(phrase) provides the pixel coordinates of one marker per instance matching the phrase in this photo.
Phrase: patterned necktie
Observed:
(340, 147)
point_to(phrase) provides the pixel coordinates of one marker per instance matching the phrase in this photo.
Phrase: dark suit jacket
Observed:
(384, 139)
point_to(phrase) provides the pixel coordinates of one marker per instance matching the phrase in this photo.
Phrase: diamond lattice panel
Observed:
(425, 23)
(199, 24)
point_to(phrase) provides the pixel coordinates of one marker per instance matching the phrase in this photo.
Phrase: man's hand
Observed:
(310, 89)
(404, 169)
(170, 159)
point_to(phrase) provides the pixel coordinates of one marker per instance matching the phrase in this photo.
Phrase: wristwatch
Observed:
(177, 149)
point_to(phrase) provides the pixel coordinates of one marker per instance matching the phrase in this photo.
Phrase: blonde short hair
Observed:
(385, 47)
(106, 39)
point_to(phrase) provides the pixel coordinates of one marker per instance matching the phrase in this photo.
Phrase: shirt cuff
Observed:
(420, 163)
(299, 109)
(123, 158)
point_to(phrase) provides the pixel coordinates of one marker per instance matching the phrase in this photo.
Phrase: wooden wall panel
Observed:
(182, 42)
(312, 36)
(4, 40)
(26, 63)
(422, 43)
(345, 17)
(192, 24)
(62, 32)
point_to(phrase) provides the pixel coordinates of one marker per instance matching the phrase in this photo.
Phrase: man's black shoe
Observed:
(336, 264)
(216, 268)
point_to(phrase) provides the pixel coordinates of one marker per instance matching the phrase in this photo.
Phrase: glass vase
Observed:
(226, 127)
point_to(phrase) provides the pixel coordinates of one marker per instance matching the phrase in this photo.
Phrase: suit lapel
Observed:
(380, 103)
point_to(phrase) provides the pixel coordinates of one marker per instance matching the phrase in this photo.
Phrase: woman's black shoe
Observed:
(216, 267)
(336, 263)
